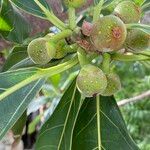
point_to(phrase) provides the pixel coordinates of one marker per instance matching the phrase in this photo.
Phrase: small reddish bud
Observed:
(86, 28)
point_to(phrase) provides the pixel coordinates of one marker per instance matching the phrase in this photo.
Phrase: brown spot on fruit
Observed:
(117, 32)
(108, 34)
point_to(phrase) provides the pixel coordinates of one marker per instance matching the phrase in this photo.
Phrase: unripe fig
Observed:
(128, 12)
(137, 40)
(91, 81)
(108, 34)
(113, 85)
(41, 51)
(74, 3)
(60, 51)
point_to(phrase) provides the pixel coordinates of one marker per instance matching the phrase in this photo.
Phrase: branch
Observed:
(134, 99)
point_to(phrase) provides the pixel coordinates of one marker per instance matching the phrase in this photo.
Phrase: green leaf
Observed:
(18, 27)
(17, 54)
(57, 132)
(143, 27)
(145, 2)
(13, 105)
(146, 7)
(4, 26)
(130, 57)
(31, 7)
(139, 2)
(106, 2)
(100, 126)
(18, 88)
(55, 80)
(37, 73)
(33, 124)
(18, 127)
(6, 18)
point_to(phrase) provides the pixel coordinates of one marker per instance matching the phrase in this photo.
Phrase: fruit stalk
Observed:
(98, 121)
(82, 57)
(97, 10)
(106, 63)
(71, 48)
(51, 17)
(72, 18)
(62, 35)
(131, 57)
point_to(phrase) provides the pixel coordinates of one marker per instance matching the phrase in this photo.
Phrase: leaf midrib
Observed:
(98, 122)
(65, 123)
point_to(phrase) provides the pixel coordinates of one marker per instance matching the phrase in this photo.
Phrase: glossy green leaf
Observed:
(57, 132)
(100, 126)
(31, 7)
(20, 28)
(14, 104)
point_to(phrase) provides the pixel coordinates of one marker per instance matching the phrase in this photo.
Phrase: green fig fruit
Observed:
(113, 85)
(108, 34)
(41, 51)
(74, 3)
(91, 81)
(137, 40)
(128, 12)
(60, 49)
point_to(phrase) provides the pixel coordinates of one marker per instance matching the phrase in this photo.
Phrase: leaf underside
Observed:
(13, 106)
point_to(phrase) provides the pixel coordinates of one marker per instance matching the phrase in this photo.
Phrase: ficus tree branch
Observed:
(134, 99)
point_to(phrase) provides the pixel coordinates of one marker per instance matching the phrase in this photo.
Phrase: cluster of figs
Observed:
(107, 35)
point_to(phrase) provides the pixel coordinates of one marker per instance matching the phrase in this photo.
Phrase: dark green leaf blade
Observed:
(146, 7)
(13, 106)
(31, 7)
(16, 26)
(57, 132)
(113, 134)
(18, 127)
